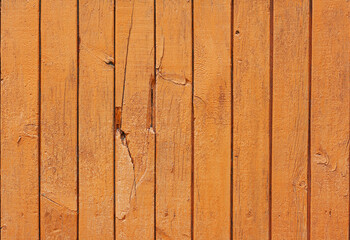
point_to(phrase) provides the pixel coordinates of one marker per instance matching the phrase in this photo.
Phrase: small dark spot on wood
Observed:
(329, 212)
(237, 32)
(249, 213)
(109, 62)
(122, 134)
(302, 184)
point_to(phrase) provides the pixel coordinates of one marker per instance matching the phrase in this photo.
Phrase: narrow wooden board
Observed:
(19, 119)
(58, 119)
(330, 120)
(290, 119)
(96, 114)
(173, 118)
(135, 138)
(251, 120)
(212, 124)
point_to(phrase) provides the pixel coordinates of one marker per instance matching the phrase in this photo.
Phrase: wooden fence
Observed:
(175, 119)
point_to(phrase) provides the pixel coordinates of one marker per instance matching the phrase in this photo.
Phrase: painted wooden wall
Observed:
(175, 119)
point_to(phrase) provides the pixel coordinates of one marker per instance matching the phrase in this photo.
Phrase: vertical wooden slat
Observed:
(58, 119)
(134, 119)
(173, 118)
(330, 120)
(251, 80)
(212, 114)
(19, 119)
(290, 119)
(96, 113)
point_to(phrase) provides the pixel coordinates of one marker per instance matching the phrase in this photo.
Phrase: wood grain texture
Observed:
(135, 137)
(330, 120)
(19, 119)
(290, 119)
(58, 119)
(173, 118)
(169, 119)
(251, 82)
(96, 113)
(212, 119)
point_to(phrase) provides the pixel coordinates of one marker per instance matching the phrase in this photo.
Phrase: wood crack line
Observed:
(126, 57)
(124, 142)
(58, 203)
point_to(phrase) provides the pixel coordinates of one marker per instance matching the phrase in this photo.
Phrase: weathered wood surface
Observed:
(135, 130)
(20, 120)
(212, 119)
(251, 118)
(290, 119)
(58, 122)
(96, 117)
(329, 120)
(164, 119)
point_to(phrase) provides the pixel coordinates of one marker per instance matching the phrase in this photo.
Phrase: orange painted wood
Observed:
(212, 124)
(135, 136)
(173, 119)
(19, 120)
(330, 87)
(58, 119)
(290, 119)
(96, 113)
(251, 120)
(193, 119)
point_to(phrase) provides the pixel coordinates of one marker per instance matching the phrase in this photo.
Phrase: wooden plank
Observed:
(212, 114)
(290, 119)
(19, 119)
(58, 119)
(330, 120)
(96, 113)
(173, 119)
(251, 76)
(135, 138)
